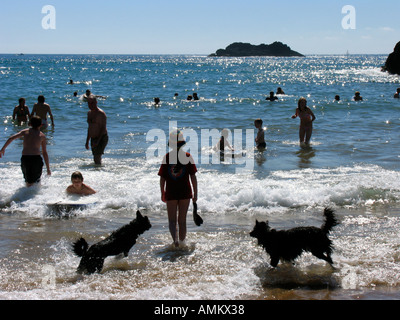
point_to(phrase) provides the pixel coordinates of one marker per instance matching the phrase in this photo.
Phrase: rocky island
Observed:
(240, 49)
(392, 64)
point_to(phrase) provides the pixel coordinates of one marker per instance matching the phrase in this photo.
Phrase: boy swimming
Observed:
(78, 187)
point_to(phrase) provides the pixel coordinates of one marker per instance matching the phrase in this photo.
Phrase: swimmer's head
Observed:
(77, 175)
(258, 123)
(302, 102)
(92, 102)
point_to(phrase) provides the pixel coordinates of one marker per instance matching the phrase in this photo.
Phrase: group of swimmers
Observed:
(21, 112)
(306, 117)
(35, 142)
(190, 97)
(303, 112)
(178, 182)
(357, 95)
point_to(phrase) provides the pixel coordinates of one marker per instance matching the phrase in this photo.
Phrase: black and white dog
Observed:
(287, 245)
(120, 241)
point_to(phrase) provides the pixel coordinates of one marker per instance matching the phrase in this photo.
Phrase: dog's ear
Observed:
(257, 222)
(139, 215)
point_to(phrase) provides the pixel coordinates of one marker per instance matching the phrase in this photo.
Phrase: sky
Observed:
(197, 27)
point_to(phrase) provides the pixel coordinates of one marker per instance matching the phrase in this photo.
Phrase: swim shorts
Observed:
(99, 149)
(31, 167)
(261, 145)
(44, 124)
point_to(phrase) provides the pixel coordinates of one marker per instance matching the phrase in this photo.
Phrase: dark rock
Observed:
(239, 49)
(392, 64)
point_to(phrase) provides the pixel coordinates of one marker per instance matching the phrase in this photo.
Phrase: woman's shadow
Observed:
(172, 253)
(305, 154)
(287, 276)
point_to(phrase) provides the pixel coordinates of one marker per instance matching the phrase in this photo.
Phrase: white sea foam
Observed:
(122, 186)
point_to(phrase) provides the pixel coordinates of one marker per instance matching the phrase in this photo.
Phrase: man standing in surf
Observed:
(97, 130)
(306, 119)
(41, 109)
(31, 160)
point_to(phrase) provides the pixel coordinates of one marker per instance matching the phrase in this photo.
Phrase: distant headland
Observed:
(392, 64)
(240, 49)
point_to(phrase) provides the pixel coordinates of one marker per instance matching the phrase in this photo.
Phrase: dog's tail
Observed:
(80, 247)
(330, 220)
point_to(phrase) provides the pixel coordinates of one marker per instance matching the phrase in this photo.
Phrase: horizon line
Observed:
(192, 54)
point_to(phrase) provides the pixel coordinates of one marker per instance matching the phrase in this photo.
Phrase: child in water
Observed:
(260, 140)
(306, 119)
(78, 187)
(222, 143)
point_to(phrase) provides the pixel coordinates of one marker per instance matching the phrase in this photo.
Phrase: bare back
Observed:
(97, 121)
(41, 109)
(33, 140)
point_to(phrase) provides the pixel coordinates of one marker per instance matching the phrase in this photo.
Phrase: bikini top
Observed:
(305, 115)
(22, 111)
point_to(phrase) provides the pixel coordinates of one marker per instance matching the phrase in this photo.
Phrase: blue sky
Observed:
(197, 27)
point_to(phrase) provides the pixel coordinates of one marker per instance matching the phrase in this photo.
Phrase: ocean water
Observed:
(352, 166)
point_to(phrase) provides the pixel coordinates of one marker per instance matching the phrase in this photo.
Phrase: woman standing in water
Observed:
(21, 112)
(176, 172)
(306, 119)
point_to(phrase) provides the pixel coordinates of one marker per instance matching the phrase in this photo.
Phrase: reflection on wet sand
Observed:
(305, 154)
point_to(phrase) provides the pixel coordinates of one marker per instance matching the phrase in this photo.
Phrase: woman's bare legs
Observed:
(305, 134)
(177, 212)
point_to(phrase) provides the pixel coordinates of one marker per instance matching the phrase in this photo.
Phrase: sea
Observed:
(352, 166)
